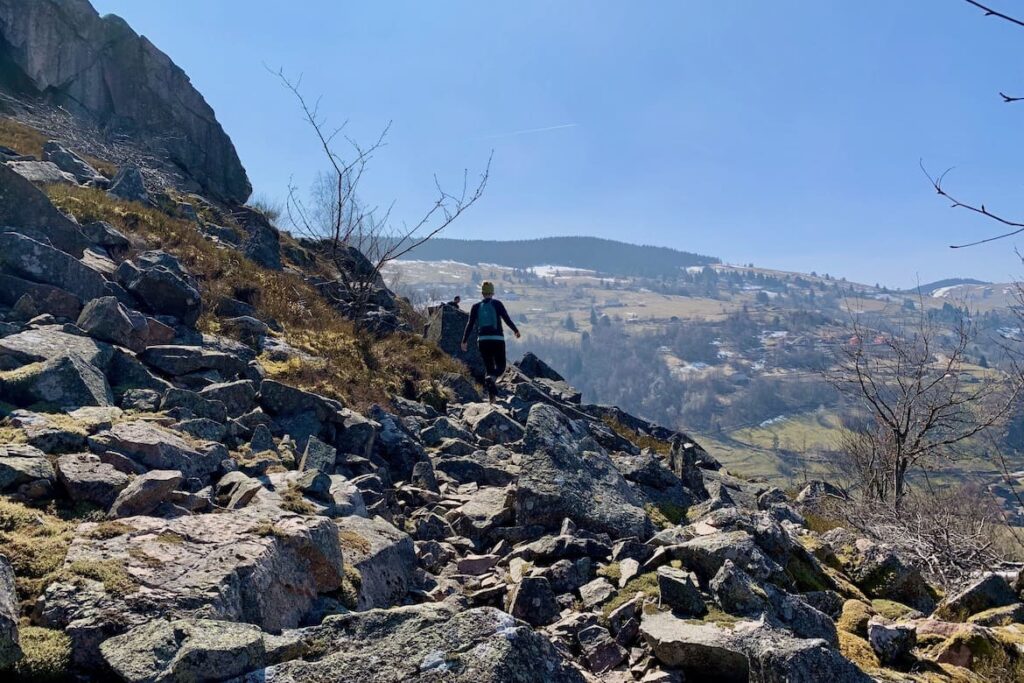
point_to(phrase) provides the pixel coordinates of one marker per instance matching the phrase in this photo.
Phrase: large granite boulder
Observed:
(65, 382)
(163, 285)
(30, 259)
(425, 643)
(154, 448)
(108, 319)
(86, 478)
(25, 207)
(102, 72)
(259, 567)
(446, 327)
(20, 464)
(384, 557)
(69, 162)
(563, 478)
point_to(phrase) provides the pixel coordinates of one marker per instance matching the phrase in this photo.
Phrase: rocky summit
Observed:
(215, 468)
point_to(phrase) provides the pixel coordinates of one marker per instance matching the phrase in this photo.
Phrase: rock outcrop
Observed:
(98, 68)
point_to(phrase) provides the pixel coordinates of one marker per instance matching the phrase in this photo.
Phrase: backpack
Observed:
(487, 318)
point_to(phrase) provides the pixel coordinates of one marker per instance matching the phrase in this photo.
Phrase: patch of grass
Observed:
(111, 573)
(170, 538)
(890, 609)
(351, 582)
(21, 138)
(47, 656)
(356, 369)
(665, 515)
(854, 618)
(350, 540)
(612, 572)
(110, 529)
(716, 616)
(821, 524)
(11, 435)
(639, 439)
(806, 575)
(858, 651)
(292, 500)
(644, 583)
(36, 544)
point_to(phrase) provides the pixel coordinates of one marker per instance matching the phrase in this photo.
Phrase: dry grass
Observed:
(47, 656)
(36, 544)
(350, 540)
(21, 138)
(637, 438)
(111, 573)
(353, 368)
(111, 529)
(29, 141)
(292, 500)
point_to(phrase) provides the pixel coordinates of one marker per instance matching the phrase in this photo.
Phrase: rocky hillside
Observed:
(208, 473)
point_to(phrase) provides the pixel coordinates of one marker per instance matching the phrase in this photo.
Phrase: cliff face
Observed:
(101, 71)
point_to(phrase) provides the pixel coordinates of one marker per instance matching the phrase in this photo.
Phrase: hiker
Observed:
(486, 317)
(454, 303)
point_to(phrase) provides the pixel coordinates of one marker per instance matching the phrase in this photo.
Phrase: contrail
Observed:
(528, 131)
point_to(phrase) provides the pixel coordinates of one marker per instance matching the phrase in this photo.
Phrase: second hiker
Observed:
(486, 317)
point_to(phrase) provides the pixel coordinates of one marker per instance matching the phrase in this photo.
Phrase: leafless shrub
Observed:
(949, 534)
(923, 399)
(358, 239)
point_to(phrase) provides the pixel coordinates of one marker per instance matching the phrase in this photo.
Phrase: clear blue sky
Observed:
(785, 133)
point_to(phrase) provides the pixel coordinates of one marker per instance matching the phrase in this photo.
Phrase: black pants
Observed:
(493, 353)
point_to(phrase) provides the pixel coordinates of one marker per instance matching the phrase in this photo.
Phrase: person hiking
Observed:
(485, 317)
(454, 303)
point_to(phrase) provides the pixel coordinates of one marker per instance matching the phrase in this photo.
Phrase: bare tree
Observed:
(923, 402)
(357, 239)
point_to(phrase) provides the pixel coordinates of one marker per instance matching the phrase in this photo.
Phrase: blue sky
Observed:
(783, 133)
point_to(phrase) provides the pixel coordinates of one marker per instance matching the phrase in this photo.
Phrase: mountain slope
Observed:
(589, 253)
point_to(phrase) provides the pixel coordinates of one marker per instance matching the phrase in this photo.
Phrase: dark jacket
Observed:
(494, 331)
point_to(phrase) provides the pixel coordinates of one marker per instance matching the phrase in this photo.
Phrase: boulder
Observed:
(982, 594)
(892, 643)
(20, 464)
(27, 208)
(155, 448)
(176, 361)
(423, 644)
(50, 342)
(384, 557)
(701, 650)
(42, 173)
(107, 319)
(600, 651)
(187, 650)
(445, 328)
(129, 185)
(10, 650)
(247, 566)
(69, 162)
(163, 286)
(145, 493)
(596, 592)
(182, 403)
(235, 490)
(490, 422)
(239, 397)
(706, 555)
(86, 478)
(533, 601)
(559, 480)
(534, 368)
(65, 382)
(679, 592)
(46, 298)
(318, 456)
(27, 258)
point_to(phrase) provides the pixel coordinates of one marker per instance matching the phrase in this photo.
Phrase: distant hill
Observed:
(948, 282)
(590, 253)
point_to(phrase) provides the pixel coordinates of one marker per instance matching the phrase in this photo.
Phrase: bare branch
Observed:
(982, 210)
(989, 12)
